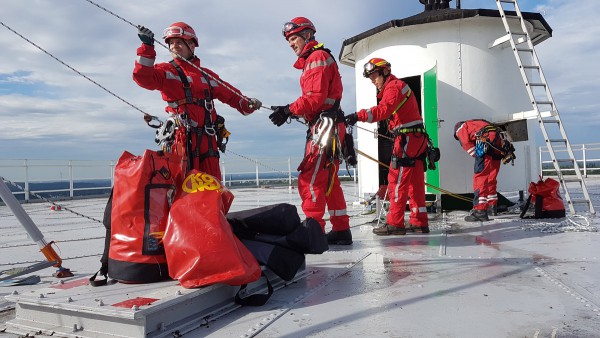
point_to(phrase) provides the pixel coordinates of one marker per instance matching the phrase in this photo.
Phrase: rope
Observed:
(167, 48)
(375, 133)
(71, 68)
(427, 184)
(49, 201)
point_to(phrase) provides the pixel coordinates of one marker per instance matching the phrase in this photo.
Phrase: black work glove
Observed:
(351, 119)
(146, 35)
(280, 114)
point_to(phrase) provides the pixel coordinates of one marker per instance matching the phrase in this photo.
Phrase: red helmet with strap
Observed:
(374, 65)
(180, 30)
(297, 25)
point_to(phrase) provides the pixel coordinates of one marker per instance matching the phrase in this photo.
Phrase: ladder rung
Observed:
(551, 121)
(557, 140)
(537, 84)
(564, 160)
(580, 201)
(544, 102)
(508, 1)
(571, 179)
(524, 50)
(518, 33)
(531, 67)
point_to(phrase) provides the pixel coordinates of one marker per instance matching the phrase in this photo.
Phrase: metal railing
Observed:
(55, 179)
(586, 155)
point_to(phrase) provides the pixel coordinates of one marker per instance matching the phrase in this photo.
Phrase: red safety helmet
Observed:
(376, 64)
(297, 25)
(456, 127)
(180, 30)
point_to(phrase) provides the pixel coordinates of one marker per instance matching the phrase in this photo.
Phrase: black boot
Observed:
(416, 228)
(477, 216)
(493, 210)
(343, 237)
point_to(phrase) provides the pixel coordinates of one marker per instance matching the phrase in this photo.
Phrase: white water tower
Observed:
(458, 69)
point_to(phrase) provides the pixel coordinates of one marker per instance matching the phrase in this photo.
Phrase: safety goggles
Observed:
(176, 32)
(369, 67)
(292, 26)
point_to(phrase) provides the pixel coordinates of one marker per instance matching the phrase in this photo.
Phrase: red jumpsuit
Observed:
(202, 153)
(397, 103)
(318, 182)
(486, 168)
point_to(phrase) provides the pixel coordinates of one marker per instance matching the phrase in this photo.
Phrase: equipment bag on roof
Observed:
(141, 198)
(201, 249)
(546, 198)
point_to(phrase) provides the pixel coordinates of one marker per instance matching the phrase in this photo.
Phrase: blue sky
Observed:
(50, 112)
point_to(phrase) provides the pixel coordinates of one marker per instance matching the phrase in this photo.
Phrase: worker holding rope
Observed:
(319, 106)
(397, 105)
(189, 91)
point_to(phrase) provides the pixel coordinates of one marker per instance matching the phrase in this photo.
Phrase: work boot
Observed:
(477, 216)
(422, 229)
(493, 210)
(343, 237)
(387, 230)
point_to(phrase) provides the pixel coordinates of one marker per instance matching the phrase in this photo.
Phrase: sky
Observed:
(48, 111)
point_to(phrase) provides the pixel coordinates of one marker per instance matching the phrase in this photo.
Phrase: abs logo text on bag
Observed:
(200, 246)
(546, 198)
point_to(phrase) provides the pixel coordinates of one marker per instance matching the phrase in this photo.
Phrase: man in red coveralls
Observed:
(397, 104)
(189, 90)
(480, 139)
(319, 105)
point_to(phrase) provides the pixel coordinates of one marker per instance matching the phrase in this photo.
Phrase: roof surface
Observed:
(503, 278)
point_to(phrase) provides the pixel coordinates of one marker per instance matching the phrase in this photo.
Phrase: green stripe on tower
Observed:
(430, 117)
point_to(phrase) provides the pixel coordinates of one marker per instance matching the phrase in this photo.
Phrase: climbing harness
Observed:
(322, 131)
(483, 144)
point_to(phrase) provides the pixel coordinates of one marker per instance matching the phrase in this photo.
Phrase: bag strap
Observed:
(525, 207)
(101, 282)
(255, 299)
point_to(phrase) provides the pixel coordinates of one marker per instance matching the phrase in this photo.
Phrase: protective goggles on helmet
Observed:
(372, 65)
(292, 26)
(177, 32)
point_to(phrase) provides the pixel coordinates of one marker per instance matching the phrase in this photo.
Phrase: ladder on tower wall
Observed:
(543, 104)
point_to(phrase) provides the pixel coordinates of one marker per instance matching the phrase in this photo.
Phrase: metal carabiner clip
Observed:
(149, 118)
(210, 130)
(209, 105)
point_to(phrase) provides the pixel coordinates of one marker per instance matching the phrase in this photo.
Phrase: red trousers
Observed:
(485, 182)
(406, 182)
(319, 186)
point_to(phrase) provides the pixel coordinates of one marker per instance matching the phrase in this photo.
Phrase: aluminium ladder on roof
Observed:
(540, 96)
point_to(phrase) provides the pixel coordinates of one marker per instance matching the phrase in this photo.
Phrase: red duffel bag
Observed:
(142, 195)
(200, 246)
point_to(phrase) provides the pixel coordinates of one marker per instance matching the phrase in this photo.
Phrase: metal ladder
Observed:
(540, 96)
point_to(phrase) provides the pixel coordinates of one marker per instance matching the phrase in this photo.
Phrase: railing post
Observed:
(71, 185)
(541, 163)
(584, 160)
(26, 196)
(290, 173)
(112, 173)
(223, 173)
(257, 178)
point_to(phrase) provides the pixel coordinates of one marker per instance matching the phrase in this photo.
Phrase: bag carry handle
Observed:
(256, 299)
(101, 282)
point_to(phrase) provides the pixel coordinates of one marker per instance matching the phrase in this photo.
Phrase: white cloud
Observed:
(240, 40)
